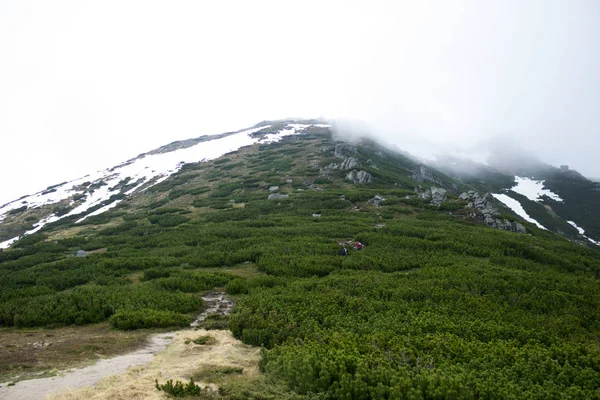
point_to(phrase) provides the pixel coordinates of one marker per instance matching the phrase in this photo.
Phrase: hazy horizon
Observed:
(86, 85)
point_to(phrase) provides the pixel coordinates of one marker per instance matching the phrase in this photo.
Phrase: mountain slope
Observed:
(436, 305)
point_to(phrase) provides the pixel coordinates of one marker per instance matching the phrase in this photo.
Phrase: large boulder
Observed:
(438, 195)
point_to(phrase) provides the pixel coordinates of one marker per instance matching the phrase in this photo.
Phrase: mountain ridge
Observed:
(105, 189)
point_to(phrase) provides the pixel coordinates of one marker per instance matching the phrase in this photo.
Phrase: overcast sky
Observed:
(87, 84)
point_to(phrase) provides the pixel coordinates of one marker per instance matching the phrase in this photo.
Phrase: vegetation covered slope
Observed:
(434, 306)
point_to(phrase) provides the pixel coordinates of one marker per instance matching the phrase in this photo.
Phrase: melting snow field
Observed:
(146, 171)
(517, 208)
(582, 232)
(533, 190)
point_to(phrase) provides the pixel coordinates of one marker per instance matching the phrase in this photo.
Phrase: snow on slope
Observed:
(533, 190)
(144, 172)
(517, 208)
(582, 232)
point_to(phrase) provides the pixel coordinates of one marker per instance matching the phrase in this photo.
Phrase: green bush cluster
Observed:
(147, 318)
(180, 389)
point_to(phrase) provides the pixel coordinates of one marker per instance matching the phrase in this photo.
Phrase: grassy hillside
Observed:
(435, 306)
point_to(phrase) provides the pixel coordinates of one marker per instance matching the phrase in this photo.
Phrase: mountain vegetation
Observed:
(436, 305)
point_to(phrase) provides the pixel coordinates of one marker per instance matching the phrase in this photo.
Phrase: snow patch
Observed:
(146, 171)
(8, 243)
(582, 232)
(517, 208)
(533, 190)
(100, 210)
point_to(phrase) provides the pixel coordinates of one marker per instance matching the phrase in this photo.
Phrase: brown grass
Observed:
(28, 353)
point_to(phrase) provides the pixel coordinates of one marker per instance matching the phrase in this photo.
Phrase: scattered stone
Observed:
(289, 181)
(273, 188)
(275, 196)
(316, 215)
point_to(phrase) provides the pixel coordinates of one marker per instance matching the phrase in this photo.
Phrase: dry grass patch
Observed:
(226, 357)
(31, 353)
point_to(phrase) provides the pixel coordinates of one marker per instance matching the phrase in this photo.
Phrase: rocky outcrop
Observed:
(276, 196)
(377, 200)
(359, 177)
(344, 149)
(422, 174)
(349, 163)
(485, 205)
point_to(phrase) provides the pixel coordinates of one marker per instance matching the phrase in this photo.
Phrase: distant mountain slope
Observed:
(559, 199)
(98, 192)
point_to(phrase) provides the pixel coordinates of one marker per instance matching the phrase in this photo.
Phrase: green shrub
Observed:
(180, 389)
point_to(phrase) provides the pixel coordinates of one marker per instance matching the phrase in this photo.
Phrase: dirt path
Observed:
(179, 359)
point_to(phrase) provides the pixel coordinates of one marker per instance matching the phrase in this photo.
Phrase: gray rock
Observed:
(371, 164)
(422, 174)
(342, 149)
(289, 181)
(332, 166)
(80, 253)
(349, 163)
(275, 196)
(377, 200)
(519, 228)
(316, 215)
(464, 196)
(359, 177)
(273, 188)
(438, 195)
